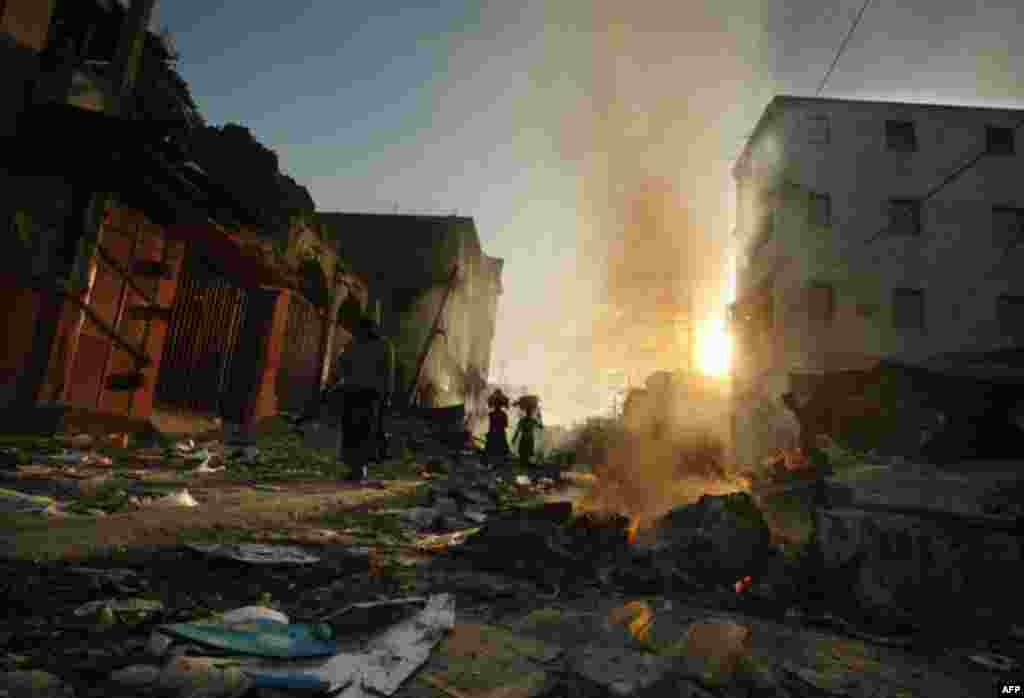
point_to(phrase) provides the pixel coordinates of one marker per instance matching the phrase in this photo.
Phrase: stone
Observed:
(712, 649)
(604, 672)
(136, 676)
(205, 676)
(33, 684)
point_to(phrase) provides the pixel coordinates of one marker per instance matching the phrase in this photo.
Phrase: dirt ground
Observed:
(294, 496)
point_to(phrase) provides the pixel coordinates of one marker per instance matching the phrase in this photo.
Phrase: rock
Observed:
(136, 676)
(723, 538)
(880, 562)
(205, 676)
(712, 649)
(421, 517)
(599, 672)
(33, 684)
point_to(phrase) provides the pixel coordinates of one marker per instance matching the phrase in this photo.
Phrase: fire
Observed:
(714, 350)
(639, 617)
(634, 526)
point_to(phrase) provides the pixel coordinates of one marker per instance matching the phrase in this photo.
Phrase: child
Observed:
(529, 422)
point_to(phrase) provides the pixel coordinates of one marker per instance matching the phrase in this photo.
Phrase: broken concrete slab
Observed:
(255, 553)
(882, 561)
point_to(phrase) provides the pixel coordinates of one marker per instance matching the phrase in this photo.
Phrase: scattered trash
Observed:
(203, 676)
(256, 553)
(9, 458)
(441, 542)
(994, 662)
(81, 440)
(204, 466)
(372, 615)
(744, 584)
(185, 446)
(181, 498)
(387, 662)
(258, 635)
(420, 517)
(75, 457)
(123, 581)
(475, 516)
(14, 502)
(248, 614)
(523, 480)
(120, 610)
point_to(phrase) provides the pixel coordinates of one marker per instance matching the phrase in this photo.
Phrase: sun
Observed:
(714, 350)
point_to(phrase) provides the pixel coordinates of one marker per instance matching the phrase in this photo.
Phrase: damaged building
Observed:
(878, 254)
(142, 273)
(435, 294)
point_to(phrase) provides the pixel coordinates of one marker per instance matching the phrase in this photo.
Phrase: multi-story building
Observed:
(869, 231)
(408, 261)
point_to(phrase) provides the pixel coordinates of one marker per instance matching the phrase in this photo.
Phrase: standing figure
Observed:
(366, 380)
(528, 424)
(496, 450)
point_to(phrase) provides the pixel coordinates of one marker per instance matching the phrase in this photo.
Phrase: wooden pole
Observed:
(430, 337)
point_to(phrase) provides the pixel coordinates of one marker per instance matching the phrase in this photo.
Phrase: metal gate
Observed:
(298, 375)
(202, 337)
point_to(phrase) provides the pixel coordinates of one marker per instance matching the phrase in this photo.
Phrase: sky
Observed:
(591, 140)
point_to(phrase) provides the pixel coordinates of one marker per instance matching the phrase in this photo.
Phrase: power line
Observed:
(950, 178)
(842, 47)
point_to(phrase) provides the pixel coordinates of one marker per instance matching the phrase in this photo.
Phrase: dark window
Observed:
(820, 209)
(821, 305)
(900, 136)
(818, 132)
(908, 309)
(1010, 315)
(1007, 226)
(999, 140)
(904, 217)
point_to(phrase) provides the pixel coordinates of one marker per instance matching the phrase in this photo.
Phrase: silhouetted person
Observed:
(366, 382)
(525, 433)
(496, 449)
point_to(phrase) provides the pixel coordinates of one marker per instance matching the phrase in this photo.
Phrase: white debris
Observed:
(204, 467)
(994, 662)
(14, 502)
(126, 606)
(181, 498)
(185, 446)
(256, 553)
(247, 614)
(523, 480)
(388, 661)
(136, 676)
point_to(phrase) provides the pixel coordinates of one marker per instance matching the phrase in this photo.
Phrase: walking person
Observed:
(525, 431)
(365, 373)
(496, 450)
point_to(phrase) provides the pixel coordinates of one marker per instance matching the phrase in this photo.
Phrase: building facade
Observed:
(869, 231)
(408, 262)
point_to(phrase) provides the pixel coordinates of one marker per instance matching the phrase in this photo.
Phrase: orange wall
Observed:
(28, 21)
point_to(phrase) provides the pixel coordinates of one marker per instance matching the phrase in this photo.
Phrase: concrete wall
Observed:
(956, 260)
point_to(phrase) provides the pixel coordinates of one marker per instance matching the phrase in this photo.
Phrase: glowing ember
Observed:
(744, 584)
(634, 526)
(639, 617)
